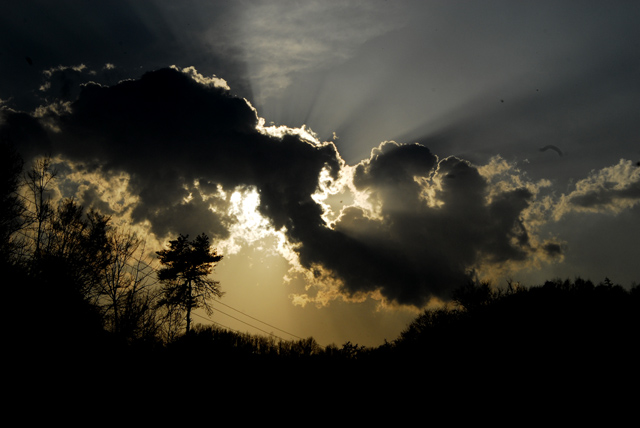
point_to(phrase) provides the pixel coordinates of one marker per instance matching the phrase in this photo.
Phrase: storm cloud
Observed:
(183, 141)
(434, 223)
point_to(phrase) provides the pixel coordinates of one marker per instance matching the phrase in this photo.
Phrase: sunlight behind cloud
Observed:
(213, 81)
(304, 133)
(250, 226)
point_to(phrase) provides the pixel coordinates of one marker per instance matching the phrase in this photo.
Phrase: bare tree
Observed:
(12, 207)
(38, 181)
(125, 293)
(80, 242)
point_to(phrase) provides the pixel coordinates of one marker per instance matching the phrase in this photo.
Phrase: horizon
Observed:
(353, 163)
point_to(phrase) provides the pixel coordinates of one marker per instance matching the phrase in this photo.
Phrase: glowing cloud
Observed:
(610, 190)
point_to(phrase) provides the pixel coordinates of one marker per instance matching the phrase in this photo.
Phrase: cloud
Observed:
(212, 81)
(187, 151)
(609, 190)
(172, 131)
(432, 224)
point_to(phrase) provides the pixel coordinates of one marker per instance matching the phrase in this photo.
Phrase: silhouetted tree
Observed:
(12, 208)
(474, 295)
(64, 271)
(185, 275)
(79, 242)
(306, 347)
(124, 292)
(38, 181)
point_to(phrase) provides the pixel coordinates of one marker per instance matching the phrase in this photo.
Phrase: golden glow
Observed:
(304, 133)
(249, 226)
(213, 81)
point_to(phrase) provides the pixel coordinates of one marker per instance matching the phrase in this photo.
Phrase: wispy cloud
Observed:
(278, 40)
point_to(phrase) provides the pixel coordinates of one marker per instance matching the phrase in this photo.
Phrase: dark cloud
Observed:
(607, 196)
(612, 188)
(27, 131)
(190, 218)
(552, 249)
(391, 171)
(63, 83)
(180, 140)
(416, 250)
(169, 131)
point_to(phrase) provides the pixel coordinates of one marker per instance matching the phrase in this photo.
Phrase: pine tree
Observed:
(185, 275)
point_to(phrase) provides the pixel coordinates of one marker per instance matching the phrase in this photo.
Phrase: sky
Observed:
(352, 161)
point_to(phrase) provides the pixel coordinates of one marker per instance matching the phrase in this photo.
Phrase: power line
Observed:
(253, 326)
(215, 322)
(246, 315)
(240, 312)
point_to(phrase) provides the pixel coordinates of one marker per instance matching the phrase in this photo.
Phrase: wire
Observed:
(257, 328)
(246, 315)
(240, 312)
(214, 322)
